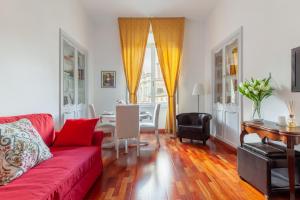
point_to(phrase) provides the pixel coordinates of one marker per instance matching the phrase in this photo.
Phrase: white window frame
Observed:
(153, 82)
(164, 104)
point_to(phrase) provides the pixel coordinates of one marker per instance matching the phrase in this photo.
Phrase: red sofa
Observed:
(68, 175)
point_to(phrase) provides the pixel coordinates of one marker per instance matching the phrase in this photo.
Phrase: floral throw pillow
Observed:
(21, 148)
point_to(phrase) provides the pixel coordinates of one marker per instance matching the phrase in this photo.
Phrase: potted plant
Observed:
(256, 90)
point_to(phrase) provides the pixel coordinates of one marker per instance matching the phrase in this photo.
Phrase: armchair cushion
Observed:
(269, 150)
(76, 132)
(190, 128)
(265, 149)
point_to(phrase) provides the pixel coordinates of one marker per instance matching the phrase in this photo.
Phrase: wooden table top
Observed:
(273, 127)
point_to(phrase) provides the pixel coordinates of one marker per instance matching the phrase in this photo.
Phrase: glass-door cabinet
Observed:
(73, 79)
(227, 109)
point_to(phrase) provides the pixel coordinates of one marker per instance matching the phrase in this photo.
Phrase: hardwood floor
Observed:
(173, 171)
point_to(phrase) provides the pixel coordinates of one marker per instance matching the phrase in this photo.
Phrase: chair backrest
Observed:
(127, 121)
(156, 115)
(92, 111)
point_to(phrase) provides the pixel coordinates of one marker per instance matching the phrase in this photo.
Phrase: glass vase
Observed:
(292, 121)
(256, 112)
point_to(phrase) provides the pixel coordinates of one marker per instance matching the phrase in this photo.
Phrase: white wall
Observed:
(192, 66)
(108, 57)
(29, 52)
(270, 31)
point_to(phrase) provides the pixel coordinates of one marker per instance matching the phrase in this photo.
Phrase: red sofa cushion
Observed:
(43, 123)
(56, 177)
(76, 132)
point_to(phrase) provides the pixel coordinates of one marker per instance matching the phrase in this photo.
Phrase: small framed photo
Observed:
(108, 79)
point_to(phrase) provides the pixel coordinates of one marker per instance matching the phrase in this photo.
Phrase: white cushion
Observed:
(106, 127)
(144, 127)
(21, 148)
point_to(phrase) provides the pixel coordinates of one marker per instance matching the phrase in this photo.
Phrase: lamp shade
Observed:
(197, 89)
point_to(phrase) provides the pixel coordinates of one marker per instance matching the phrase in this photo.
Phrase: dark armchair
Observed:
(194, 126)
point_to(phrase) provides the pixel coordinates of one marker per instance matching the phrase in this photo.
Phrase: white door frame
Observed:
(63, 36)
(238, 34)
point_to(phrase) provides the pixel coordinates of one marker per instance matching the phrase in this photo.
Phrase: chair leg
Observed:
(126, 146)
(115, 141)
(157, 137)
(117, 147)
(138, 146)
(180, 139)
(204, 142)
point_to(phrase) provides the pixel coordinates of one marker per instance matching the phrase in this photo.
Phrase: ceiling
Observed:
(196, 9)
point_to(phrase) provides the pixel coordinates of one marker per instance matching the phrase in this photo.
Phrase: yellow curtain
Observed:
(168, 35)
(133, 34)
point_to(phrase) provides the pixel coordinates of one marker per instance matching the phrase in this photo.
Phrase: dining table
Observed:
(108, 123)
(111, 117)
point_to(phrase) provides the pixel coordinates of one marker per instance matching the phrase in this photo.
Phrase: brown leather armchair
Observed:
(194, 126)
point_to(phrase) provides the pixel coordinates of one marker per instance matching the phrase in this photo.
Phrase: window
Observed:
(152, 87)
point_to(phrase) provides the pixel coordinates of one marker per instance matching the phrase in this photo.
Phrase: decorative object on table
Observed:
(281, 121)
(108, 79)
(292, 117)
(120, 101)
(197, 91)
(256, 90)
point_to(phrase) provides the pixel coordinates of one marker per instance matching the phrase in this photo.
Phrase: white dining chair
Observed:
(105, 127)
(152, 126)
(127, 126)
(92, 111)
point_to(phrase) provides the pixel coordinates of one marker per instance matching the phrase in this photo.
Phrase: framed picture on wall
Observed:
(108, 79)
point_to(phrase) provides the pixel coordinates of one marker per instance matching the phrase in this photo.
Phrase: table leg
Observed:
(242, 135)
(291, 166)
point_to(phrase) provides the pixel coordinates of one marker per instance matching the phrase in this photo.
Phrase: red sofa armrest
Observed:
(97, 138)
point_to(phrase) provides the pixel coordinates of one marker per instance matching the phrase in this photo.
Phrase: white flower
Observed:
(246, 91)
(262, 86)
(255, 92)
(267, 88)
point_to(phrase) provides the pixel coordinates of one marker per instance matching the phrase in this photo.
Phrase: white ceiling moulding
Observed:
(195, 9)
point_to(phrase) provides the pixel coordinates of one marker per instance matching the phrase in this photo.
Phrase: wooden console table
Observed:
(290, 136)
